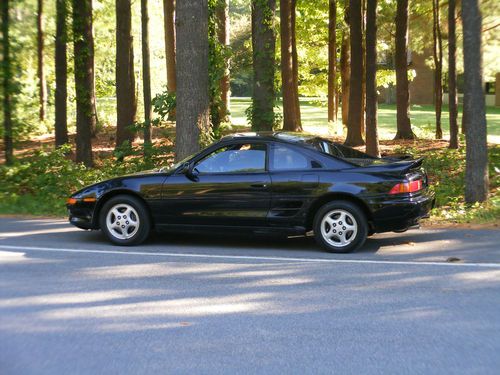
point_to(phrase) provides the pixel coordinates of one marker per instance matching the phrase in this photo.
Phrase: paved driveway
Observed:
(72, 304)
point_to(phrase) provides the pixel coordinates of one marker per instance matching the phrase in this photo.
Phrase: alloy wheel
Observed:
(339, 228)
(122, 221)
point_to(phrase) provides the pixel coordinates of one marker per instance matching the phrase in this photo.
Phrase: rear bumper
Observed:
(401, 212)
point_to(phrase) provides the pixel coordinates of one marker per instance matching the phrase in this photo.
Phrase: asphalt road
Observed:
(190, 304)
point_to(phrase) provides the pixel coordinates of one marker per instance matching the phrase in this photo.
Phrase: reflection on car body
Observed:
(287, 183)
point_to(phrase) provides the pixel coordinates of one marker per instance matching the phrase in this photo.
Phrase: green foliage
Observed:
(386, 78)
(40, 184)
(241, 48)
(164, 105)
(218, 57)
(312, 45)
(275, 117)
(21, 87)
(446, 170)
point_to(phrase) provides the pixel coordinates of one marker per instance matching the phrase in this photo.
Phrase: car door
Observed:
(295, 182)
(228, 186)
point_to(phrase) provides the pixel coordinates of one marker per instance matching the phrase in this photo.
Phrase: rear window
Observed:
(340, 151)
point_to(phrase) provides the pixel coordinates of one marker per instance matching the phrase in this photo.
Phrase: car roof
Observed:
(281, 136)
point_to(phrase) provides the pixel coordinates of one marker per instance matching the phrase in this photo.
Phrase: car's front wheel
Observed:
(124, 220)
(340, 227)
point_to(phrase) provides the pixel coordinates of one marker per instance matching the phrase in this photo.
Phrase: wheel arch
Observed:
(113, 193)
(335, 196)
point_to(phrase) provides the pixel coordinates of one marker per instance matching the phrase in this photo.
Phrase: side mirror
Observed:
(187, 170)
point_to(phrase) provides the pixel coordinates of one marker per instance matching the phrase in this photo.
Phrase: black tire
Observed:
(357, 237)
(141, 216)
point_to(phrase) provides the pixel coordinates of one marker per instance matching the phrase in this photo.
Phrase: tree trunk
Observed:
(345, 75)
(464, 120)
(289, 88)
(363, 75)
(7, 85)
(192, 76)
(84, 79)
(263, 47)
(94, 99)
(337, 101)
(223, 37)
(476, 168)
(332, 60)
(438, 67)
(452, 74)
(295, 62)
(42, 83)
(404, 130)
(146, 72)
(169, 30)
(354, 136)
(126, 103)
(372, 145)
(61, 68)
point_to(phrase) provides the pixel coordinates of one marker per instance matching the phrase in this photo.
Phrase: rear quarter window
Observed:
(286, 158)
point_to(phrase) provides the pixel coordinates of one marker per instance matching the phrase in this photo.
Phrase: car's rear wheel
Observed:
(340, 227)
(125, 220)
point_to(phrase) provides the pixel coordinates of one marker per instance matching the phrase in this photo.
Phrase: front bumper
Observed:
(81, 215)
(399, 213)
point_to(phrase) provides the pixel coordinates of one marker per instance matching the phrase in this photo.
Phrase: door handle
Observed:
(258, 186)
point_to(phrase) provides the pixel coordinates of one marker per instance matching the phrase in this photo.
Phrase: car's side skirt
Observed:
(297, 230)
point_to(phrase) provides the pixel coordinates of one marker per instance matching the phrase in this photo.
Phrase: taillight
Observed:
(406, 187)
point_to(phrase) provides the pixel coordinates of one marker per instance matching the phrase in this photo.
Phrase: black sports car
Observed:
(263, 182)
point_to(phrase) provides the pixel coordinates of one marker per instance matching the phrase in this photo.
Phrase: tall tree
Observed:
(263, 47)
(222, 14)
(126, 102)
(42, 83)
(345, 74)
(354, 136)
(452, 74)
(191, 76)
(84, 79)
(289, 84)
(169, 30)
(295, 64)
(7, 84)
(404, 130)
(438, 66)
(372, 145)
(332, 60)
(476, 168)
(146, 72)
(363, 75)
(61, 65)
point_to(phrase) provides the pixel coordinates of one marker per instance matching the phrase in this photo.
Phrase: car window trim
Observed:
(300, 150)
(232, 143)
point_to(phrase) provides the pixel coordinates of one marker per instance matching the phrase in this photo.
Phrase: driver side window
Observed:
(238, 158)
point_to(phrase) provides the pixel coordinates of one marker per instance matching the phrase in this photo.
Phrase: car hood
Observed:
(104, 184)
(148, 172)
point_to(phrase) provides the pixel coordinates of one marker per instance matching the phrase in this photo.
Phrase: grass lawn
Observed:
(314, 119)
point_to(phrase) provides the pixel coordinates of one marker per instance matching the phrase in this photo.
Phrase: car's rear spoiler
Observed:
(414, 164)
(395, 167)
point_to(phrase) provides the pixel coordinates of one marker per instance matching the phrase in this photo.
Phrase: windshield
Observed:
(174, 166)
